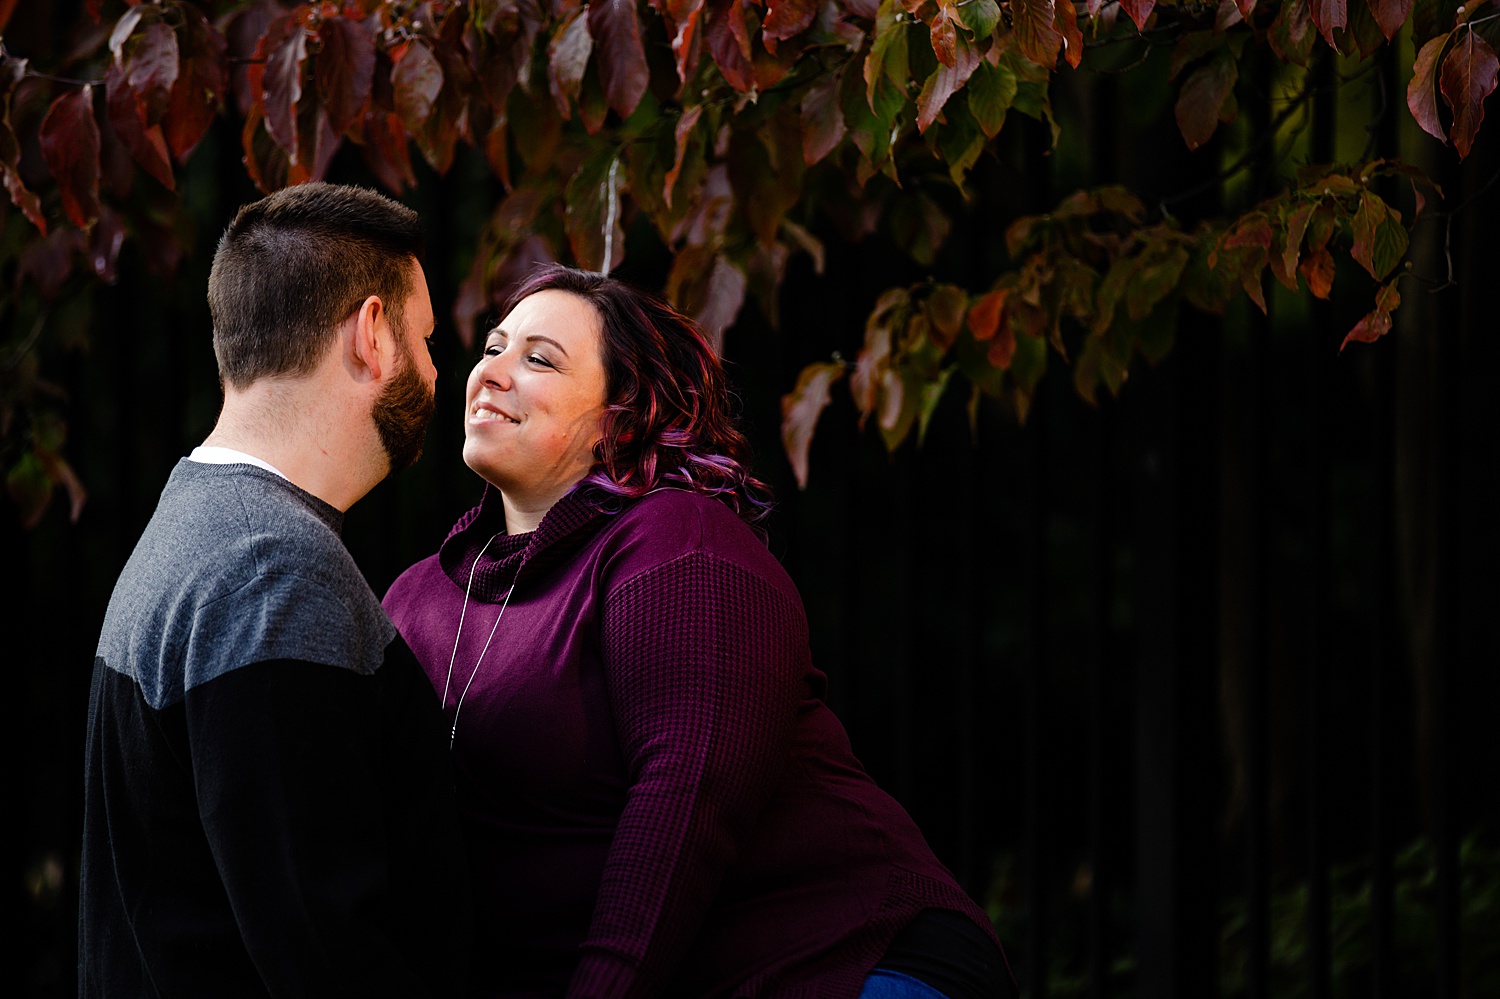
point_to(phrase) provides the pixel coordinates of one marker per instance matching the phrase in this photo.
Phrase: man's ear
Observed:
(369, 350)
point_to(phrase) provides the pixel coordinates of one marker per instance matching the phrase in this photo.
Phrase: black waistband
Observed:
(947, 951)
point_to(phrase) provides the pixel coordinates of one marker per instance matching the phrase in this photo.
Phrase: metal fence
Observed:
(1195, 690)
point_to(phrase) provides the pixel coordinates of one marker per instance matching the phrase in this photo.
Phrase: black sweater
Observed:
(268, 806)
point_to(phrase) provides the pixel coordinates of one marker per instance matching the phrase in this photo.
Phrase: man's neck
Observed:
(310, 436)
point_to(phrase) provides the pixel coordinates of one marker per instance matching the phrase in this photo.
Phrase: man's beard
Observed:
(402, 413)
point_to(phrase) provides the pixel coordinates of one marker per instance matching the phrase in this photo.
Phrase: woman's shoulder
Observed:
(669, 524)
(690, 517)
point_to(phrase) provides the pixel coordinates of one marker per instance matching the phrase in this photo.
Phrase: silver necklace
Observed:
(453, 733)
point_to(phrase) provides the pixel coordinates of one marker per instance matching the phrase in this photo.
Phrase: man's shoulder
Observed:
(235, 568)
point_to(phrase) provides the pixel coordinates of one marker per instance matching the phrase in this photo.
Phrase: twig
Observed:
(1447, 218)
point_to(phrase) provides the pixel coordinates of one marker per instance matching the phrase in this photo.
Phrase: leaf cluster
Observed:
(713, 122)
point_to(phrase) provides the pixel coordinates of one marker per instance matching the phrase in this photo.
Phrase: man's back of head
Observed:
(292, 266)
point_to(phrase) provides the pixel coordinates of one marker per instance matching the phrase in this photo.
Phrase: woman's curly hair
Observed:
(668, 418)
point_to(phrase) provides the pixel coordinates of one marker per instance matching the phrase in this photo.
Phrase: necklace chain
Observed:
(453, 733)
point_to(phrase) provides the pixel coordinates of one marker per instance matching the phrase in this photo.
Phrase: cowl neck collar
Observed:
(571, 521)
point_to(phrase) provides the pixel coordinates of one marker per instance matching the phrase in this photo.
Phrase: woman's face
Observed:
(535, 399)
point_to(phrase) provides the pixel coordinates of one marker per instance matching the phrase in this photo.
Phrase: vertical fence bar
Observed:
(1036, 851)
(1446, 383)
(1319, 958)
(1257, 672)
(1382, 654)
(1100, 715)
(1382, 882)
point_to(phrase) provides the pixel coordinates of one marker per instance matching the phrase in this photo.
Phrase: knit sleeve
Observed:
(704, 661)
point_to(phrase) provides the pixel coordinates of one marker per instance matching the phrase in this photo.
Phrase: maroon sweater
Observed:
(657, 799)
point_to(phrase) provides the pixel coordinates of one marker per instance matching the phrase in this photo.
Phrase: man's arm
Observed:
(291, 764)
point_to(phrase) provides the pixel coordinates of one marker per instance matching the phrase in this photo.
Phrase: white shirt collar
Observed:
(213, 455)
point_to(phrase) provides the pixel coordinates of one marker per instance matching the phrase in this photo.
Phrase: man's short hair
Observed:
(293, 266)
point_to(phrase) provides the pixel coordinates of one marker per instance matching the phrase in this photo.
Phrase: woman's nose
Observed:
(494, 370)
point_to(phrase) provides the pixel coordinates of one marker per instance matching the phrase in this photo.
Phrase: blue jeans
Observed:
(884, 984)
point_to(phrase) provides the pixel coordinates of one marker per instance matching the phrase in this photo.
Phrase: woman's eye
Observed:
(493, 350)
(538, 359)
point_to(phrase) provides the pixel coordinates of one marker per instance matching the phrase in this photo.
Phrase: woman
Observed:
(656, 799)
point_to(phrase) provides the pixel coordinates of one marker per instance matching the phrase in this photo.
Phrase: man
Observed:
(268, 807)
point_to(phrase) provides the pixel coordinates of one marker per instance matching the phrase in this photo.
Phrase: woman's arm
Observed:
(704, 661)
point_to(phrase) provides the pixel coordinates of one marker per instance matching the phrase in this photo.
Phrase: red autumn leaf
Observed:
(722, 300)
(345, 71)
(1034, 33)
(265, 162)
(150, 61)
(1421, 92)
(1245, 7)
(1252, 266)
(567, 58)
(1380, 240)
(1202, 99)
(1252, 231)
(319, 143)
(201, 82)
(945, 308)
(147, 146)
(785, 18)
(875, 356)
(1296, 229)
(1002, 348)
(1390, 15)
(20, 196)
(11, 72)
(497, 150)
(1066, 22)
(619, 54)
(286, 65)
(728, 41)
(70, 145)
(416, 82)
(1469, 76)
(822, 119)
(943, 34)
(800, 409)
(1138, 10)
(242, 32)
(1377, 323)
(984, 314)
(386, 153)
(472, 298)
(687, 21)
(1328, 16)
(1292, 33)
(1317, 270)
(682, 134)
(946, 80)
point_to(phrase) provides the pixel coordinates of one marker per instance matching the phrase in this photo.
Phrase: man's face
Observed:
(407, 402)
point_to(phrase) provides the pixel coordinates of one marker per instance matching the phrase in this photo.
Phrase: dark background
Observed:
(1195, 690)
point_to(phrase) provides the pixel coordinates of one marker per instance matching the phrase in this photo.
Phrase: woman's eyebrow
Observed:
(533, 337)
